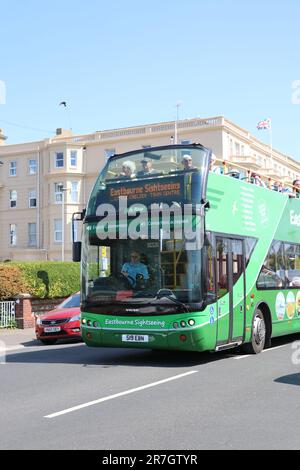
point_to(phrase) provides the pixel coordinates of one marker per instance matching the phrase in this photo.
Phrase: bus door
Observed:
(230, 277)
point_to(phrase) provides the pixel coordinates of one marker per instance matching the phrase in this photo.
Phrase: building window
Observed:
(109, 153)
(13, 234)
(13, 196)
(32, 167)
(13, 168)
(74, 191)
(243, 150)
(59, 160)
(57, 230)
(231, 147)
(237, 148)
(58, 187)
(32, 198)
(74, 158)
(32, 234)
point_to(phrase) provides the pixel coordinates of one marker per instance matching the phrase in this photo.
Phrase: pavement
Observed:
(13, 339)
(69, 396)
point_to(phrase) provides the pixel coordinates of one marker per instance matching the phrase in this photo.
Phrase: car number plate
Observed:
(135, 338)
(52, 329)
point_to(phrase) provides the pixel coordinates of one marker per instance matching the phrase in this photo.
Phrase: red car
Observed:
(60, 323)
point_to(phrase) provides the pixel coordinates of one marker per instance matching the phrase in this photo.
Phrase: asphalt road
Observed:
(139, 399)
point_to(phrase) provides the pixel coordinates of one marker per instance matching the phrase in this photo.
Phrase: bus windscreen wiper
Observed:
(168, 294)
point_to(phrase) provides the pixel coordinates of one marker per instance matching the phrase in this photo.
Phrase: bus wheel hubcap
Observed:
(259, 330)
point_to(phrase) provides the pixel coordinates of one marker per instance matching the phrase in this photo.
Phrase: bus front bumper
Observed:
(190, 340)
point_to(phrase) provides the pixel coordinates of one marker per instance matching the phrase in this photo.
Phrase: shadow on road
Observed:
(291, 379)
(110, 357)
(35, 342)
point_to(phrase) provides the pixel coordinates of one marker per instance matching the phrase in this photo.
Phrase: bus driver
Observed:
(132, 269)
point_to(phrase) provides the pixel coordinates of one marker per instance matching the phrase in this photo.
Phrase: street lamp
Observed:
(63, 190)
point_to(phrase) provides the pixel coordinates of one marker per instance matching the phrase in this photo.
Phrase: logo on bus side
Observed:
(280, 306)
(294, 218)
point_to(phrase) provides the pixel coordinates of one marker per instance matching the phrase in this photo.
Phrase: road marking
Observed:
(117, 395)
(276, 347)
(243, 357)
(264, 351)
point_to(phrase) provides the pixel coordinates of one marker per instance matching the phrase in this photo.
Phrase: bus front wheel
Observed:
(258, 335)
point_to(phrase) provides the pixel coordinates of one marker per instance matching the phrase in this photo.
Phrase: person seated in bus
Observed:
(296, 188)
(134, 268)
(277, 186)
(256, 179)
(128, 170)
(187, 163)
(218, 170)
(147, 168)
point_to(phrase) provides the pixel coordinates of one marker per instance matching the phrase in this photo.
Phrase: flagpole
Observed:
(271, 142)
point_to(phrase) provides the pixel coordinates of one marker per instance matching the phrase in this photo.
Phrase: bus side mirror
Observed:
(76, 252)
(76, 245)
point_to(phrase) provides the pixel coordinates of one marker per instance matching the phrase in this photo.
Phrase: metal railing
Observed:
(250, 175)
(7, 314)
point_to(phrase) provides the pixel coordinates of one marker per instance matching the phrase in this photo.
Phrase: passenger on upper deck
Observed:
(213, 167)
(277, 186)
(256, 179)
(187, 163)
(128, 170)
(296, 188)
(147, 168)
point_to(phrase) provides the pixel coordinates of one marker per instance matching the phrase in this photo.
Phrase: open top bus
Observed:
(174, 256)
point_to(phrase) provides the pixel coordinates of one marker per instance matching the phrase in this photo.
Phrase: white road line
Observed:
(117, 395)
(243, 357)
(264, 351)
(276, 347)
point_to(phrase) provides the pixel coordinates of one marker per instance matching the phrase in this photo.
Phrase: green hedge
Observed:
(41, 279)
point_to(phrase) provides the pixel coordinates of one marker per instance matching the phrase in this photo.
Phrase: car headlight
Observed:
(75, 318)
(38, 321)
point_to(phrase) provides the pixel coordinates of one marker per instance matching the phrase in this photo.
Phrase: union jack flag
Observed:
(266, 124)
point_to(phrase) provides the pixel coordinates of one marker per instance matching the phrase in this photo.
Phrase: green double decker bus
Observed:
(177, 257)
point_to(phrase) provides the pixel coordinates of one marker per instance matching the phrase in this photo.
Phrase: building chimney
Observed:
(2, 137)
(60, 132)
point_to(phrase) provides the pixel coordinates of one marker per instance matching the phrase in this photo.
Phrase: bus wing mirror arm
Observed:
(205, 205)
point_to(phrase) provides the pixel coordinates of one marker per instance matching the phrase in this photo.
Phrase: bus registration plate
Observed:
(135, 338)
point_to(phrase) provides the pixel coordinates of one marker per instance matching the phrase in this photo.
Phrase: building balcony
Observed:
(247, 162)
(275, 174)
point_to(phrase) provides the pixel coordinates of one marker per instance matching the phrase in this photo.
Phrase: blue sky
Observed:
(124, 63)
